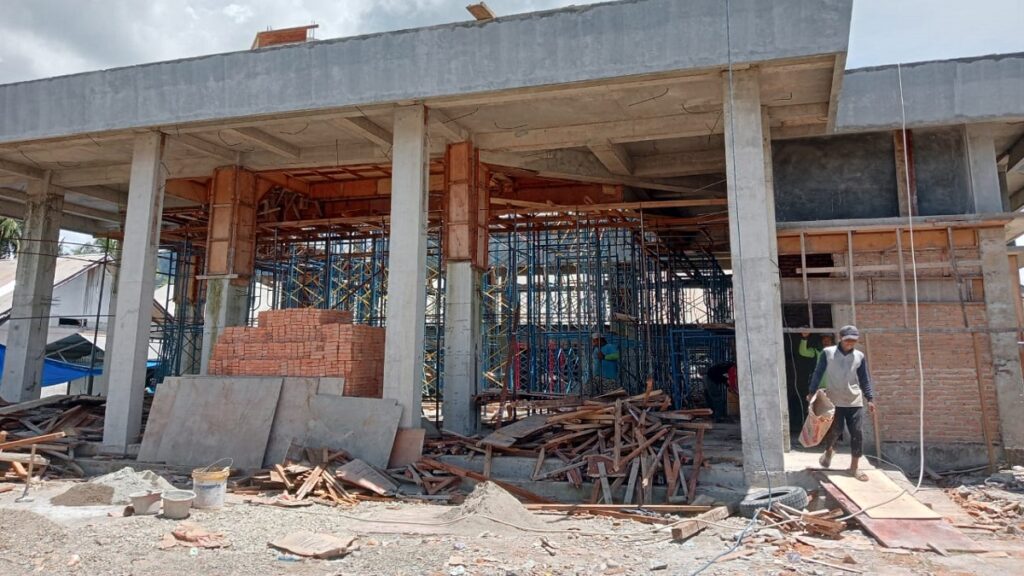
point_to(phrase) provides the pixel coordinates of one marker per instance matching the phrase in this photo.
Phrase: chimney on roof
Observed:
(481, 11)
(294, 35)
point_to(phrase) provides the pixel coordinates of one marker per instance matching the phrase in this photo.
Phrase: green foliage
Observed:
(10, 237)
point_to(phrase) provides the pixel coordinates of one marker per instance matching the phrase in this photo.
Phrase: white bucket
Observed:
(177, 503)
(146, 502)
(210, 486)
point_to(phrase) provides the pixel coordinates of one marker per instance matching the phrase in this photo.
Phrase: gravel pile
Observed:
(112, 488)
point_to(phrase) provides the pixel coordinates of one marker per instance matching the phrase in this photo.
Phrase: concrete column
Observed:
(126, 358)
(984, 173)
(101, 383)
(1001, 295)
(33, 290)
(230, 254)
(461, 347)
(757, 297)
(407, 267)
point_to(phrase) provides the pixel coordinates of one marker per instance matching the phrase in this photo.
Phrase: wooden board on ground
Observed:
(506, 436)
(15, 408)
(912, 534)
(159, 416)
(408, 447)
(363, 427)
(218, 417)
(877, 490)
(359, 473)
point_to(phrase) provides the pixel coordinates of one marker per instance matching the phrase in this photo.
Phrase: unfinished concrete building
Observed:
(494, 192)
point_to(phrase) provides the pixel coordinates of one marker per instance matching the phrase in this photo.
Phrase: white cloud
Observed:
(240, 14)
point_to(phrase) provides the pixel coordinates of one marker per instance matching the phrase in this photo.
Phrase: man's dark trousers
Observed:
(852, 417)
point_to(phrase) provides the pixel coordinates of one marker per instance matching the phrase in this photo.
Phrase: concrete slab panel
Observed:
(159, 416)
(364, 427)
(220, 417)
(294, 410)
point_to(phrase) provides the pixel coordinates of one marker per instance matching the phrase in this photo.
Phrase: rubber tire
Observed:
(792, 496)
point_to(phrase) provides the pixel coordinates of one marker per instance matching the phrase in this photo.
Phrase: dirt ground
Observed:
(423, 539)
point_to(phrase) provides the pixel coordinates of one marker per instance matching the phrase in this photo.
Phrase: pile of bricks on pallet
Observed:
(305, 342)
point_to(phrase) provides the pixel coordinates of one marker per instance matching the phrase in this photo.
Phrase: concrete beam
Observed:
(20, 170)
(403, 347)
(365, 128)
(447, 128)
(267, 141)
(83, 211)
(202, 146)
(33, 292)
(675, 164)
(571, 45)
(576, 165)
(126, 359)
(1015, 157)
(615, 157)
(14, 209)
(759, 351)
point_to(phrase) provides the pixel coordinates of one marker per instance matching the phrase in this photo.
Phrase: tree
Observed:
(10, 237)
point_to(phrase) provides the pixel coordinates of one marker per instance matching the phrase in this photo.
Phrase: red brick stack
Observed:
(305, 342)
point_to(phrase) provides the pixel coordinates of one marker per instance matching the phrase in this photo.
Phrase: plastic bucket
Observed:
(177, 503)
(145, 502)
(210, 486)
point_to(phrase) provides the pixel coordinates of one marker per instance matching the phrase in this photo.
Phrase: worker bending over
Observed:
(849, 386)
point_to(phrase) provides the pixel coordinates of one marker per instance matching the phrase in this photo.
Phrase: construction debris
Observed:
(313, 545)
(54, 426)
(191, 535)
(614, 441)
(997, 504)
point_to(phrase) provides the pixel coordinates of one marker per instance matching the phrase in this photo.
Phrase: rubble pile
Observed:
(997, 504)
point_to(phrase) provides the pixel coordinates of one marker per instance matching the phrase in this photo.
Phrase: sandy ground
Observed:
(414, 539)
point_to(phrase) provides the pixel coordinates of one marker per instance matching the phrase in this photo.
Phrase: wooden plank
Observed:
(508, 434)
(32, 404)
(520, 493)
(631, 485)
(32, 440)
(689, 528)
(660, 508)
(875, 494)
(363, 475)
(23, 459)
(408, 447)
(644, 446)
(606, 489)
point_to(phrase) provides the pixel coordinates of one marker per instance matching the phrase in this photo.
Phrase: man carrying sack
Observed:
(849, 385)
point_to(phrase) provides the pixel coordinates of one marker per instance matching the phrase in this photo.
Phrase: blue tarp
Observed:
(56, 372)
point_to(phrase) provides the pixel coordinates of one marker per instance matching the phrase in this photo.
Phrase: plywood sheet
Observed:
(218, 417)
(878, 489)
(364, 427)
(506, 436)
(159, 415)
(912, 534)
(408, 447)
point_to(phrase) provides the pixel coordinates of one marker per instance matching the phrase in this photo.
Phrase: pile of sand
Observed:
(490, 500)
(112, 488)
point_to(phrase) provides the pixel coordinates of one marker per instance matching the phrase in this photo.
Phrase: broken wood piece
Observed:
(605, 487)
(688, 528)
(361, 474)
(33, 440)
(830, 565)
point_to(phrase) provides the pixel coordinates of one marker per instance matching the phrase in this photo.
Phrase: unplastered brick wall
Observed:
(305, 342)
(952, 406)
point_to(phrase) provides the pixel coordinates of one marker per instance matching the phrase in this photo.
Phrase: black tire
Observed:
(792, 496)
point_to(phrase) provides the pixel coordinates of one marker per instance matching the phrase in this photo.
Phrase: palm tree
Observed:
(10, 237)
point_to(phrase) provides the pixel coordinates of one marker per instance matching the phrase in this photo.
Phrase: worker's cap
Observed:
(849, 333)
(596, 335)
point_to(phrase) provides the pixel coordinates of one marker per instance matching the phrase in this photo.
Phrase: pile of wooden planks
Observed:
(822, 523)
(50, 428)
(615, 441)
(335, 477)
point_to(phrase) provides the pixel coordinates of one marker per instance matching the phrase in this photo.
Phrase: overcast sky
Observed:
(41, 38)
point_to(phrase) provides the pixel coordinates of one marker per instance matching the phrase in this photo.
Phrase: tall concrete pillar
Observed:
(33, 290)
(126, 357)
(756, 293)
(101, 383)
(230, 254)
(983, 170)
(1001, 295)
(407, 267)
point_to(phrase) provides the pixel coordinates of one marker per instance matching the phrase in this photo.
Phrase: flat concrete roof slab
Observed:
(576, 44)
(967, 90)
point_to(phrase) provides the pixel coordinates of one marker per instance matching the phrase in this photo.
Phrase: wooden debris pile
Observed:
(46, 433)
(334, 477)
(821, 523)
(625, 445)
(997, 505)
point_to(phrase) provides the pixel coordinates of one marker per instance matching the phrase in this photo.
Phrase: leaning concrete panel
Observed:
(935, 93)
(294, 411)
(364, 427)
(220, 417)
(574, 44)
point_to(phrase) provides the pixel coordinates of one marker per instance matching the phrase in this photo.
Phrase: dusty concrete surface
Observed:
(38, 538)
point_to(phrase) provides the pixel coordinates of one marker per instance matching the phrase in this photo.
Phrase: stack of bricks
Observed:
(305, 342)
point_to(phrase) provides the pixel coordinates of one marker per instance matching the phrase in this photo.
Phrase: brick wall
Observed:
(305, 342)
(952, 407)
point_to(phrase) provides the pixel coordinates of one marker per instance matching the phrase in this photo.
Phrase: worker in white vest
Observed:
(849, 386)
